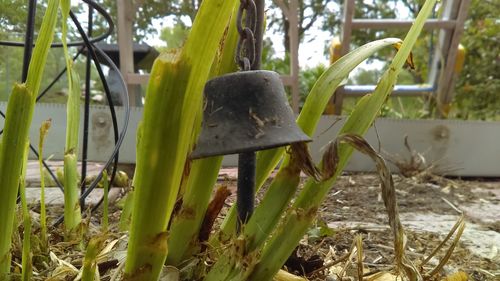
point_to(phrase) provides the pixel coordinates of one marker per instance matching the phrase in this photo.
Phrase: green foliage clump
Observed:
(478, 87)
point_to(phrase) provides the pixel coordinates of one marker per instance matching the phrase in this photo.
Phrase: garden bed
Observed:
(428, 210)
(429, 207)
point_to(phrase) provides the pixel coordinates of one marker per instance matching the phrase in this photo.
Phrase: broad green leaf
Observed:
(308, 120)
(73, 112)
(318, 98)
(203, 173)
(313, 193)
(42, 47)
(173, 102)
(90, 260)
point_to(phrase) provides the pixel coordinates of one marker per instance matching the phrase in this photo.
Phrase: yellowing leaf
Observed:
(457, 276)
(286, 276)
(382, 276)
(409, 60)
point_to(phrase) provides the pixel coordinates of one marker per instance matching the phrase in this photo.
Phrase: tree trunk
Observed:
(286, 35)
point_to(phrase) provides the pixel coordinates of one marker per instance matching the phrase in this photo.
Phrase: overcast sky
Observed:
(311, 50)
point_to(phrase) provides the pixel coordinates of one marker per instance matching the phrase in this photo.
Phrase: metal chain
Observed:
(246, 24)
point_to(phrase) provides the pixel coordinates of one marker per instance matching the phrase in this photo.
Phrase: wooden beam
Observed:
(126, 15)
(284, 7)
(287, 80)
(290, 9)
(294, 53)
(445, 84)
(137, 79)
(345, 39)
(338, 97)
(401, 24)
(141, 79)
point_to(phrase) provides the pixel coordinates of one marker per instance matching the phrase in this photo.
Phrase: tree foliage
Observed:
(477, 92)
(310, 12)
(175, 36)
(478, 87)
(149, 11)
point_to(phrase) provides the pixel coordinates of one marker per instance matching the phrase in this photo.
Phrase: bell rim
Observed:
(256, 125)
(195, 154)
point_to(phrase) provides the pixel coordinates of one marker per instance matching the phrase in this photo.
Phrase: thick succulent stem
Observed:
(43, 212)
(184, 229)
(173, 100)
(105, 204)
(26, 256)
(72, 212)
(17, 123)
(313, 193)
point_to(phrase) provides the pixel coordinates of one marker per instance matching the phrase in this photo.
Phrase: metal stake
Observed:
(28, 39)
(245, 197)
(86, 112)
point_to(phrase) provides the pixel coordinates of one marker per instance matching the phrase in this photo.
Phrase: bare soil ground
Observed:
(428, 210)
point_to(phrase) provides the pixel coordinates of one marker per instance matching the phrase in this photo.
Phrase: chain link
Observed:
(246, 24)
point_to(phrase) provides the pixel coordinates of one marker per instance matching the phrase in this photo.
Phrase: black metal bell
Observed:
(246, 111)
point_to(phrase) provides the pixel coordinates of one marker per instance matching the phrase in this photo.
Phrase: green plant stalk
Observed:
(266, 272)
(125, 217)
(105, 205)
(128, 206)
(271, 208)
(185, 227)
(304, 209)
(44, 128)
(228, 270)
(172, 104)
(90, 260)
(26, 262)
(186, 224)
(237, 261)
(221, 270)
(17, 122)
(308, 120)
(41, 48)
(72, 213)
(284, 186)
(20, 111)
(72, 216)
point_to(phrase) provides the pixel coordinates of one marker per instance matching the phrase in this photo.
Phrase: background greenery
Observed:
(477, 88)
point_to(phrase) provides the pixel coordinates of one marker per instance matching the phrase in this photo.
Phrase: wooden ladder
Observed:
(444, 67)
